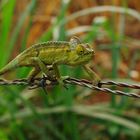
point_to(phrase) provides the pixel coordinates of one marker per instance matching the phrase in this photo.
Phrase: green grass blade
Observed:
(17, 29)
(7, 16)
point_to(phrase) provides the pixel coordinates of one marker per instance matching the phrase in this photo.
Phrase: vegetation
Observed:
(77, 113)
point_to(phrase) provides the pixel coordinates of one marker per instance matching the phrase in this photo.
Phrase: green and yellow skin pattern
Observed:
(44, 56)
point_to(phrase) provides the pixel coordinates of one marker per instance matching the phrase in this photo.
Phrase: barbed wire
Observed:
(74, 81)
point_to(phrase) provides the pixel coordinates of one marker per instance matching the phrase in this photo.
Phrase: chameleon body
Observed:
(50, 54)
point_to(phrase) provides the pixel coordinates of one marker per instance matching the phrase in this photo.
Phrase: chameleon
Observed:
(47, 56)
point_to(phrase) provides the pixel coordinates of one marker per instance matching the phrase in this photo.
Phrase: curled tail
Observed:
(10, 66)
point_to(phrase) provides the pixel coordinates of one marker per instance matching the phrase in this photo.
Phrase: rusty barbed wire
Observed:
(75, 81)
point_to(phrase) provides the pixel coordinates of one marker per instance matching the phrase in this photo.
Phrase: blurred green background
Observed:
(77, 113)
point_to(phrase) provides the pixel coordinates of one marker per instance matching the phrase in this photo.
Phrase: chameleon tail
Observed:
(10, 66)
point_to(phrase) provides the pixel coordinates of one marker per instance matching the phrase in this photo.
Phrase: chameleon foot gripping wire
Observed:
(44, 81)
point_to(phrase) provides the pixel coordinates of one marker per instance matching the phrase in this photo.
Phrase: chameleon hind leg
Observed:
(46, 69)
(40, 67)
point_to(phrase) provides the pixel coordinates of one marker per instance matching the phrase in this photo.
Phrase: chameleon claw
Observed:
(31, 81)
(61, 81)
(99, 84)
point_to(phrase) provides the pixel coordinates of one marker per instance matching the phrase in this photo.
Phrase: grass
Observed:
(60, 115)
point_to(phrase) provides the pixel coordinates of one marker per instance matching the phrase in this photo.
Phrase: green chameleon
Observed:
(45, 57)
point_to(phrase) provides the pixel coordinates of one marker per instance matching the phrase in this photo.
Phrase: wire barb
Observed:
(75, 81)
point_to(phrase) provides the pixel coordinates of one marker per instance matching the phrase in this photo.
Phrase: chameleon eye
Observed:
(79, 50)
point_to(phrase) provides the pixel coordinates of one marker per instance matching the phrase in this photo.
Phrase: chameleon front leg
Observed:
(94, 77)
(33, 73)
(46, 70)
(59, 77)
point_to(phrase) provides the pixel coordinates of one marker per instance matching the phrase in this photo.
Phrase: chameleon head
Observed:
(80, 52)
(85, 52)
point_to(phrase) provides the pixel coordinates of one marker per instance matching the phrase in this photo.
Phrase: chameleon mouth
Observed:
(87, 53)
(90, 51)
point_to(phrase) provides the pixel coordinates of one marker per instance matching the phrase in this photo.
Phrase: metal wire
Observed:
(117, 92)
(120, 84)
(75, 81)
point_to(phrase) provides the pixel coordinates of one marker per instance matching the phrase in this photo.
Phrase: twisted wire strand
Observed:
(14, 82)
(117, 92)
(120, 84)
(75, 81)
